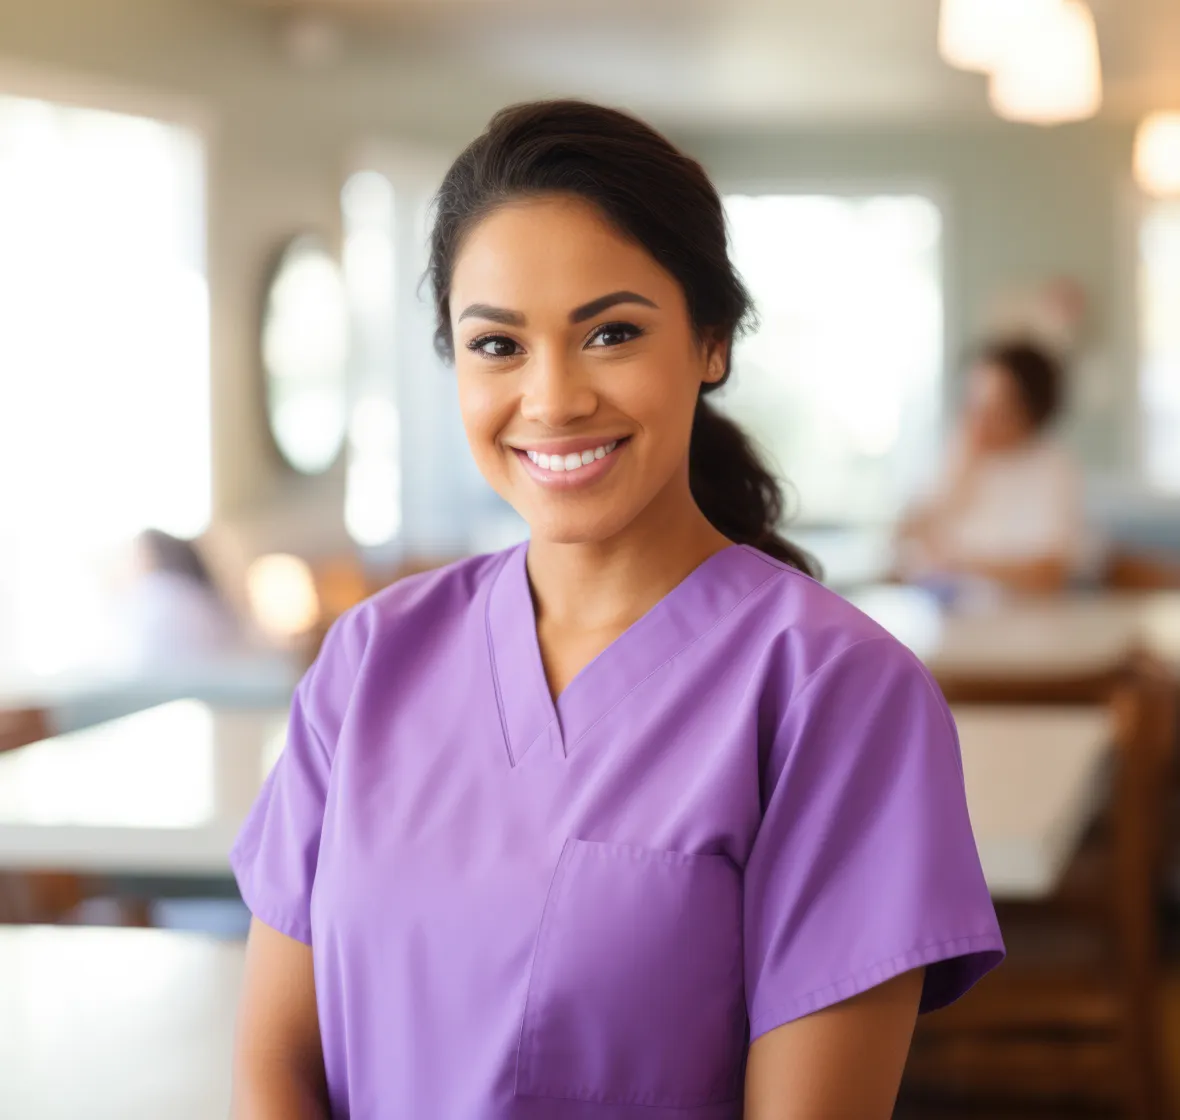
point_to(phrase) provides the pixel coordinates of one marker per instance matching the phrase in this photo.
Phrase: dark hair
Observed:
(664, 201)
(167, 553)
(1038, 377)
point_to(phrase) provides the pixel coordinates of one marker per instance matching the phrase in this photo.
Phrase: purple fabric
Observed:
(749, 807)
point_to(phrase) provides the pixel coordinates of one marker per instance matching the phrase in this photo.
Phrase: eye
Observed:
(493, 346)
(614, 334)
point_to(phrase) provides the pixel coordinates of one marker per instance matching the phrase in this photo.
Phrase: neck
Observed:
(613, 582)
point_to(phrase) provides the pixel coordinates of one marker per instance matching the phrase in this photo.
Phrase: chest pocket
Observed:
(636, 993)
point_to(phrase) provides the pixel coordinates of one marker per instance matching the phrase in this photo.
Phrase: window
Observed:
(1159, 341)
(104, 363)
(412, 487)
(841, 382)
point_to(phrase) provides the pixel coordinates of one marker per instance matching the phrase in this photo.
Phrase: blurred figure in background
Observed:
(171, 613)
(1007, 511)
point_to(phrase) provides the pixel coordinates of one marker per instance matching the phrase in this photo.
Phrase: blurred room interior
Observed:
(222, 424)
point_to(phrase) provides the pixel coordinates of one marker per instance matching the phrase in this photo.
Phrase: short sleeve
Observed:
(864, 865)
(276, 852)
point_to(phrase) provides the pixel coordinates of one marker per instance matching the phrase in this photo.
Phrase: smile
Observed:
(571, 469)
(574, 461)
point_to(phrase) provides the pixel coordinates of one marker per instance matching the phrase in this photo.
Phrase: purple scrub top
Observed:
(749, 807)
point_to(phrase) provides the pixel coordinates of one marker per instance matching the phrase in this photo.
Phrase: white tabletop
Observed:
(160, 792)
(115, 1024)
(165, 791)
(1034, 778)
(1046, 639)
(1159, 621)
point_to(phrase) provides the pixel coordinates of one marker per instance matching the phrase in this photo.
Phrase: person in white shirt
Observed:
(1008, 508)
(172, 615)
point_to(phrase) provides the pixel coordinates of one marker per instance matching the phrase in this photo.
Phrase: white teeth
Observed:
(573, 461)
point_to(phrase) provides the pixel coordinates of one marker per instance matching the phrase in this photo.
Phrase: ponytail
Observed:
(735, 490)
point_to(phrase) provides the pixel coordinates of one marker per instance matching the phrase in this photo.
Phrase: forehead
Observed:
(554, 250)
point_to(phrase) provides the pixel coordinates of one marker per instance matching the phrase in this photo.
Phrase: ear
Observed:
(716, 356)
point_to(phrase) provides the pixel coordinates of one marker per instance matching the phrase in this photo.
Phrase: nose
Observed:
(556, 392)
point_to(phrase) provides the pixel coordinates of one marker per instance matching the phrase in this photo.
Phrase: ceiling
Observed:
(720, 62)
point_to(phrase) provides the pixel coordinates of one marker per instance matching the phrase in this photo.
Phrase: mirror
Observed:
(305, 354)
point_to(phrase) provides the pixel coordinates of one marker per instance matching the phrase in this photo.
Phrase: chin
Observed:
(573, 526)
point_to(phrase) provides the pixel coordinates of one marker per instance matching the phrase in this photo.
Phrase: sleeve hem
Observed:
(271, 914)
(859, 982)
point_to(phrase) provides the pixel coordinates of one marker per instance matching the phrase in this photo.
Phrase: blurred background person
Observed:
(1007, 510)
(170, 613)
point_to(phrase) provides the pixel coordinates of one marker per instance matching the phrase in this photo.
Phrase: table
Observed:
(115, 1024)
(72, 701)
(160, 792)
(164, 792)
(121, 1024)
(1050, 640)
(1035, 779)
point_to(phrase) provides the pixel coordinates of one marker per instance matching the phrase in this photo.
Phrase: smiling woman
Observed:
(636, 815)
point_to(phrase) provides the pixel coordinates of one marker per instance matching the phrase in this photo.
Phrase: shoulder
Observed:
(433, 597)
(386, 633)
(430, 601)
(825, 663)
(840, 686)
(812, 628)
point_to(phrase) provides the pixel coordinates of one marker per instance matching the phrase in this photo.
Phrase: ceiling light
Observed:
(1052, 72)
(978, 34)
(1157, 154)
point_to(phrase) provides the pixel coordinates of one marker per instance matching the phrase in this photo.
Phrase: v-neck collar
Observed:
(527, 711)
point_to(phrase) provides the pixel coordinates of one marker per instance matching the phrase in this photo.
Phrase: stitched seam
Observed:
(559, 874)
(487, 615)
(970, 943)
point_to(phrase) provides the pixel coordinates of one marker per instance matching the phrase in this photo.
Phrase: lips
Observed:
(570, 465)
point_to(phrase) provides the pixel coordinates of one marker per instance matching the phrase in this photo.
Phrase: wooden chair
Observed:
(1141, 571)
(37, 896)
(1073, 1014)
(21, 726)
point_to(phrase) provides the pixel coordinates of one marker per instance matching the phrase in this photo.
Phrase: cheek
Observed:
(485, 409)
(663, 398)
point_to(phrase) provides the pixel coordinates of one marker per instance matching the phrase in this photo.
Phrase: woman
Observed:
(1008, 511)
(172, 615)
(636, 816)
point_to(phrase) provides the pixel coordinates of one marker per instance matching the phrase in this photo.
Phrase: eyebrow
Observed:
(578, 315)
(596, 306)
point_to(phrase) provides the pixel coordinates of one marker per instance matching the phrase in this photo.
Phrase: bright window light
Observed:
(373, 487)
(1159, 343)
(841, 382)
(104, 360)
